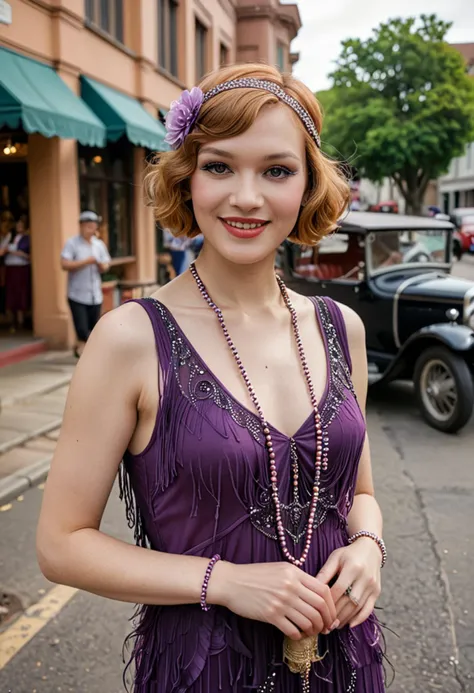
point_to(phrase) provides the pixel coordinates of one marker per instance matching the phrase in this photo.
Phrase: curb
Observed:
(21, 481)
(22, 353)
(30, 435)
(11, 401)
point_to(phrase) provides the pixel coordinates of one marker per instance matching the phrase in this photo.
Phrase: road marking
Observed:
(36, 617)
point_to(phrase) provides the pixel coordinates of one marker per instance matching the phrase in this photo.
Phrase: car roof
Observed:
(463, 210)
(361, 222)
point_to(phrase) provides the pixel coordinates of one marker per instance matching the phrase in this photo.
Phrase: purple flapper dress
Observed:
(202, 486)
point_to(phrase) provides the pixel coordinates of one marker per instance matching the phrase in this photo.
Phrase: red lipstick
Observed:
(258, 226)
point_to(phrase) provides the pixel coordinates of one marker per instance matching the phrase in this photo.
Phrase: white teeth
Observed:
(240, 225)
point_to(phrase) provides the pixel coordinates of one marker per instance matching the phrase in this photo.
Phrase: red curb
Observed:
(21, 353)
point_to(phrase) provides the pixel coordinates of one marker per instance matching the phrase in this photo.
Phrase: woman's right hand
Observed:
(277, 593)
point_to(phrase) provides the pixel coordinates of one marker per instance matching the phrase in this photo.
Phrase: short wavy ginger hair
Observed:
(229, 114)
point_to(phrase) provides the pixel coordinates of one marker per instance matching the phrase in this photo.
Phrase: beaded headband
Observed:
(184, 112)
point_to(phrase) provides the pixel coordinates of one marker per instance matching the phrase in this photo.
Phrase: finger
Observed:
(313, 615)
(300, 620)
(288, 628)
(364, 613)
(348, 611)
(320, 588)
(317, 601)
(348, 605)
(345, 580)
(330, 569)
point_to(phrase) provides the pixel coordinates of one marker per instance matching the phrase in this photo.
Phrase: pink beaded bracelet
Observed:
(205, 584)
(380, 542)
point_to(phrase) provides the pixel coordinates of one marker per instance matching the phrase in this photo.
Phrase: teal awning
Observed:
(123, 115)
(34, 95)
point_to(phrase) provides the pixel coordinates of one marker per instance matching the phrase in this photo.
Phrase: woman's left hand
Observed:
(357, 567)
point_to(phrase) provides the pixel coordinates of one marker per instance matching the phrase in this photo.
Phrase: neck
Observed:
(249, 288)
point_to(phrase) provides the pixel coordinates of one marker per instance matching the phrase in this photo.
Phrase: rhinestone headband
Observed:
(183, 114)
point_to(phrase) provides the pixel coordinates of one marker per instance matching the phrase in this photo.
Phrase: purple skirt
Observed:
(18, 288)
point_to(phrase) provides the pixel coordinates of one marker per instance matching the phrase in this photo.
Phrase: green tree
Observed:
(401, 105)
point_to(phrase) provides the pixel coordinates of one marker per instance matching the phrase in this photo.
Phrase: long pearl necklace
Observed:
(265, 427)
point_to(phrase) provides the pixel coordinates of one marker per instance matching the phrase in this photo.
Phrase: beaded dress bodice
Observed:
(202, 486)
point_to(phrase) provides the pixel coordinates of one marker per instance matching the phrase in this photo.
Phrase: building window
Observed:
(106, 15)
(201, 50)
(223, 55)
(106, 186)
(168, 35)
(281, 63)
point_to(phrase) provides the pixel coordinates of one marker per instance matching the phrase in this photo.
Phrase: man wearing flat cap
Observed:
(85, 257)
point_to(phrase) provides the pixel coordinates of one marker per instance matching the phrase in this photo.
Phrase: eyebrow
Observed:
(269, 157)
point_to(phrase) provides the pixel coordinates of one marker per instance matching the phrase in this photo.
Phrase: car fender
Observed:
(457, 338)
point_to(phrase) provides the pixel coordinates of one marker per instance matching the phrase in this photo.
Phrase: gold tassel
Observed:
(299, 655)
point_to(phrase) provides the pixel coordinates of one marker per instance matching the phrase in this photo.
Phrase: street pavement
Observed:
(424, 483)
(464, 268)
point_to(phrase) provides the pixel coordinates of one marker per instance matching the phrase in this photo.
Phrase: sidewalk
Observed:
(32, 399)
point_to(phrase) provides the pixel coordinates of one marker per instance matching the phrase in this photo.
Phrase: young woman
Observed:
(18, 274)
(246, 461)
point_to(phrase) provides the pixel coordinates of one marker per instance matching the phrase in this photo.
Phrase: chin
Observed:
(247, 253)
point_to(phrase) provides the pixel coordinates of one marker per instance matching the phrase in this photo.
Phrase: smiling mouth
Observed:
(244, 228)
(247, 225)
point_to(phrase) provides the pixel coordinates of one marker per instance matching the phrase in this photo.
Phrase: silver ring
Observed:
(354, 600)
(348, 591)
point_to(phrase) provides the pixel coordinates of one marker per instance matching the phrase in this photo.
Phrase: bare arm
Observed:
(19, 253)
(358, 566)
(73, 265)
(100, 418)
(365, 513)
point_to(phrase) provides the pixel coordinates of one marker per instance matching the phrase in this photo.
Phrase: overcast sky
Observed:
(328, 22)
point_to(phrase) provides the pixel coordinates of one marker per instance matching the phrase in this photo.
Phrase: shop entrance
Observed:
(15, 268)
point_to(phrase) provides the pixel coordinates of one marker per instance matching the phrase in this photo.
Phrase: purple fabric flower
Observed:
(182, 116)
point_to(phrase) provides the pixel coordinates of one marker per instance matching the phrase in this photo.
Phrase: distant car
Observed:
(458, 214)
(394, 271)
(466, 234)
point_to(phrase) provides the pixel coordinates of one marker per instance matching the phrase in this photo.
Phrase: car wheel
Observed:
(444, 389)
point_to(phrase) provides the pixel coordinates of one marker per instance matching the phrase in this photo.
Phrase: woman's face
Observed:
(20, 226)
(247, 191)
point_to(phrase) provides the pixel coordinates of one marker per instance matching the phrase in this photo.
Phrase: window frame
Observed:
(107, 16)
(201, 49)
(105, 179)
(224, 54)
(167, 34)
(280, 56)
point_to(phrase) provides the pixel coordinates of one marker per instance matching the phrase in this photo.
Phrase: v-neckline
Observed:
(321, 402)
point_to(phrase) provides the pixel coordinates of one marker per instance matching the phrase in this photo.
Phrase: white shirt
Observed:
(85, 284)
(14, 260)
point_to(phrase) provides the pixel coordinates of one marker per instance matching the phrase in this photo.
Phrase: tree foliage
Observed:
(401, 105)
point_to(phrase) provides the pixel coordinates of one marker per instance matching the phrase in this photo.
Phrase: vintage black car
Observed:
(394, 271)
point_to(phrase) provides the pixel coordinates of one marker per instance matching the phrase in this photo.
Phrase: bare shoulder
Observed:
(119, 350)
(123, 331)
(354, 325)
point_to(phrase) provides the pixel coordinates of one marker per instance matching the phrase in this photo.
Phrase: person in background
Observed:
(18, 274)
(5, 240)
(85, 257)
(177, 248)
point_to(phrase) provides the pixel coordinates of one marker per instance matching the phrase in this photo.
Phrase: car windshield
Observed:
(394, 248)
(338, 256)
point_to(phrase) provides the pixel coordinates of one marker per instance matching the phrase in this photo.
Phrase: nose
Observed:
(246, 195)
